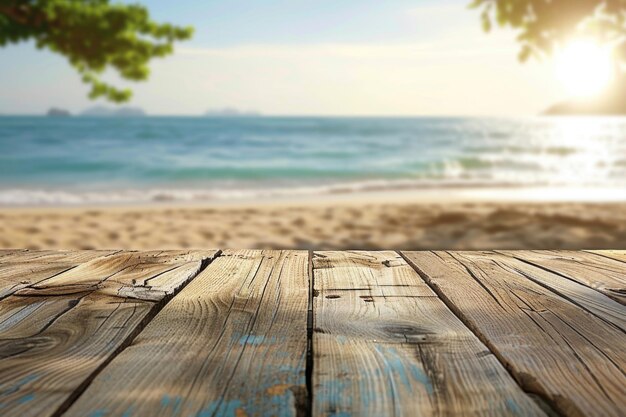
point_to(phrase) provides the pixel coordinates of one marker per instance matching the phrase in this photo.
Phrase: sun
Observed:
(584, 67)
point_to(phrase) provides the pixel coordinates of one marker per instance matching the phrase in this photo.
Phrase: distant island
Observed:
(56, 112)
(611, 103)
(102, 111)
(231, 112)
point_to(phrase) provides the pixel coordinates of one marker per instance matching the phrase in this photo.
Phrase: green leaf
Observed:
(94, 35)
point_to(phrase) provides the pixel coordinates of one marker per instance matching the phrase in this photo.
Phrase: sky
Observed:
(303, 57)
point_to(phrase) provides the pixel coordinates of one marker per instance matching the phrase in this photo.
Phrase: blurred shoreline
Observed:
(55, 161)
(423, 195)
(465, 219)
(313, 183)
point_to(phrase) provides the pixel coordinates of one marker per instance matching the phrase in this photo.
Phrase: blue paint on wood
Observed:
(230, 407)
(26, 398)
(395, 364)
(226, 408)
(8, 389)
(281, 405)
(419, 375)
(103, 413)
(340, 414)
(257, 340)
(336, 391)
(11, 388)
(174, 402)
(512, 405)
(128, 412)
(253, 340)
(207, 411)
(341, 339)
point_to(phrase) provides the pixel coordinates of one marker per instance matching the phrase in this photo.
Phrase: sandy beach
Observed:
(367, 222)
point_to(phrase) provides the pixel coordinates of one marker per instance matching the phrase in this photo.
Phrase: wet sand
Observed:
(344, 224)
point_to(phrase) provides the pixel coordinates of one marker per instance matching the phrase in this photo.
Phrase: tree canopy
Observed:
(543, 24)
(93, 35)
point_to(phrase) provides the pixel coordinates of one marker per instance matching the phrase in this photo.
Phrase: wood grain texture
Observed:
(146, 275)
(384, 344)
(55, 333)
(553, 347)
(232, 343)
(587, 298)
(19, 269)
(618, 255)
(7, 252)
(50, 256)
(600, 273)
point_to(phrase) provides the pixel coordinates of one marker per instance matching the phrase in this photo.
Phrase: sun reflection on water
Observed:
(591, 154)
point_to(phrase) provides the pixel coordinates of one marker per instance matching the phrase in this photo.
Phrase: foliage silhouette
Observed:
(93, 35)
(543, 24)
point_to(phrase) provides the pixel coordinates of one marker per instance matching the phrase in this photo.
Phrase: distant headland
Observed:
(57, 112)
(231, 112)
(102, 111)
(99, 111)
(611, 103)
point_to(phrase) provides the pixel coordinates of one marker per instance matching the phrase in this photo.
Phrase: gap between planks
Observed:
(310, 324)
(156, 308)
(399, 344)
(543, 403)
(245, 344)
(159, 306)
(309, 365)
(580, 301)
(603, 272)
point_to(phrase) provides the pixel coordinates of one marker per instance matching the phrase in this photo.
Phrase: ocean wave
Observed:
(41, 197)
(87, 161)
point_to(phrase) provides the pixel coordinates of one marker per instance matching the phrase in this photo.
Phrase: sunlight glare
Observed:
(584, 67)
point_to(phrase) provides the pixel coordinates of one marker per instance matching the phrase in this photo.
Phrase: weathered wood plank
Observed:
(618, 255)
(48, 256)
(591, 300)
(6, 252)
(601, 273)
(19, 269)
(15, 276)
(146, 275)
(384, 344)
(54, 334)
(554, 348)
(232, 343)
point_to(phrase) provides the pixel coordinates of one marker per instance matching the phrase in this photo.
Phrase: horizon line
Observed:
(278, 115)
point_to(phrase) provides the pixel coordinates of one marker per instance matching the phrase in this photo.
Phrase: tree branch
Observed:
(17, 13)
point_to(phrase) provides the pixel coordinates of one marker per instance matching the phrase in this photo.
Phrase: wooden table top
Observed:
(294, 333)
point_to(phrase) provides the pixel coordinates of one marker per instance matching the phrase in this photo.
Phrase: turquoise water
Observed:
(73, 160)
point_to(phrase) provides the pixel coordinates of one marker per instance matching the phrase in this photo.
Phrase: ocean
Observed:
(80, 160)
